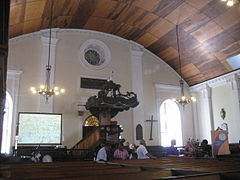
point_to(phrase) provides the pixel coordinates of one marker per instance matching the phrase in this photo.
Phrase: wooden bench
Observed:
(164, 168)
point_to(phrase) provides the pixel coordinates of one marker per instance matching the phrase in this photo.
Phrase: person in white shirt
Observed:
(142, 151)
(102, 153)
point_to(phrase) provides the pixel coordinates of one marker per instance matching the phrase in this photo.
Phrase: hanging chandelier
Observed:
(230, 2)
(45, 90)
(183, 100)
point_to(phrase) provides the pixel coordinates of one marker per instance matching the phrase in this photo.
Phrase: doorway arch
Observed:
(170, 123)
(90, 123)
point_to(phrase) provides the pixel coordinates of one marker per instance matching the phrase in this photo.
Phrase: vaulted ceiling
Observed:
(209, 31)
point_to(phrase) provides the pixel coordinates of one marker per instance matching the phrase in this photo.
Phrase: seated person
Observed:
(121, 153)
(172, 151)
(132, 151)
(205, 149)
(127, 148)
(142, 151)
(102, 153)
(191, 148)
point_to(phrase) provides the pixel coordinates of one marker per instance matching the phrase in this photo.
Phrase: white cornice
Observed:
(13, 71)
(91, 32)
(45, 41)
(95, 33)
(216, 81)
(46, 32)
(167, 87)
(25, 36)
(135, 46)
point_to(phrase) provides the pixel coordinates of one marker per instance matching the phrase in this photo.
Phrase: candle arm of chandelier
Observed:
(230, 2)
(45, 90)
(183, 100)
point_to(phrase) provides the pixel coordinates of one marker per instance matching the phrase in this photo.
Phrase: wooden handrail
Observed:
(89, 142)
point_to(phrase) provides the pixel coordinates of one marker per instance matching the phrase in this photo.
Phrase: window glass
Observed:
(170, 123)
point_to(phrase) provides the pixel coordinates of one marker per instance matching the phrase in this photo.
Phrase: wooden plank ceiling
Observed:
(209, 30)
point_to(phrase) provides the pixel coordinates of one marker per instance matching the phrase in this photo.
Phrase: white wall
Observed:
(25, 54)
(222, 98)
(155, 73)
(223, 92)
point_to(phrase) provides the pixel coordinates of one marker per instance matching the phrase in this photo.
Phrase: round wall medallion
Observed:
(94, 54)
(92, 57)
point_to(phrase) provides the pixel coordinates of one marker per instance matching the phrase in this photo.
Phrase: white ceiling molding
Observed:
(216, 81)
(167, 88)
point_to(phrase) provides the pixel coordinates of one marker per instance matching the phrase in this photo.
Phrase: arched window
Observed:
(7, 125)
(170, 123)
(139, 132)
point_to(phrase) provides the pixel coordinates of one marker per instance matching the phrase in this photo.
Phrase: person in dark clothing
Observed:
(205, 149)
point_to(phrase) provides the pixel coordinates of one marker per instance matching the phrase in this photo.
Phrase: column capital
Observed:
(46, 32)
(207, 91)
(234, 82)
(136, 49)
(45, 41)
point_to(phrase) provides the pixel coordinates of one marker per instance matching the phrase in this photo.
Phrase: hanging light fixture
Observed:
(230, 2)
(183, 100)
(45, 90)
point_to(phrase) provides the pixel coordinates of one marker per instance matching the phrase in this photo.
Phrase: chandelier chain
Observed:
(48, 66)
(182, 100)
(50, 35)
(45, 90)
(178, 49)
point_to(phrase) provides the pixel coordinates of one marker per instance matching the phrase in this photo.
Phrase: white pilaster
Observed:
(195, 117)
(234, 81)
(208, 99)
(137, 85)
(203, 113)
(235, 85)
(43, 105)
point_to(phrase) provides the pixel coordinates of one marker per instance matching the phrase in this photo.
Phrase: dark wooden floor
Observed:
(163, 168)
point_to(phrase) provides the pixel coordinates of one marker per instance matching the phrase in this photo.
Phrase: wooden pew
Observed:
(164, 168)
(61, 170)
